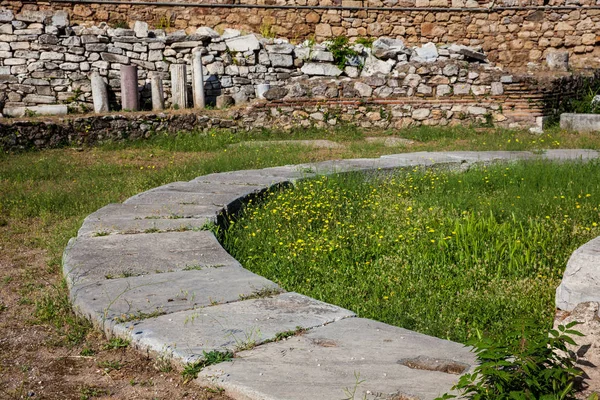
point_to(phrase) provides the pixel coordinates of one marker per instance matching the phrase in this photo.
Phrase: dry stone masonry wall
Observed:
(512, 32)
(45, 60)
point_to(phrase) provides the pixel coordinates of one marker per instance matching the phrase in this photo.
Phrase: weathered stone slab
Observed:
(92, 259)
(252, 177)
(225, 201)
(422, 158)
(243, 43)
(373, 66)
(48, 109)
(385, 47)
(311, 68)
(428, 52)
(162, 293)
(580, 122)
(581, 280)
(199, 187)
(356, 165)
(229, 326)
(228, 197)
(429, 158)
(326, 361)
(569, 154)
(139, 218)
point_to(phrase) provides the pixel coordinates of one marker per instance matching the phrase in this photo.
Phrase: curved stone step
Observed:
(181, 294)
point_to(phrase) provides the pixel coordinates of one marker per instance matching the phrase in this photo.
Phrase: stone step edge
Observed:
(506, 156)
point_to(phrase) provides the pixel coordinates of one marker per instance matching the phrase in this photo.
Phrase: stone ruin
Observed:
(44, 60)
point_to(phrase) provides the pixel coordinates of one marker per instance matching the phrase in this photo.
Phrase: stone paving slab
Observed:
(569, 154)
(285, 176)
(488, 156)
(224, 201)
(165, 293)
(205, 188)
(138, 218)
(323, 362)
(229, 326)
(92, 259)
(363, 164)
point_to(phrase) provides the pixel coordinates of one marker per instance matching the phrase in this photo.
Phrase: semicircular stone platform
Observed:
(149, 271)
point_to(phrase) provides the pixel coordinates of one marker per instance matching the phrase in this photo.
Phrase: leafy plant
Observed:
(366, 42)
(341, 50)
(164, 22)
(110, 365)
(267, 31)
(213, 357)
(528, 365)
(116, 343)
(120, 23)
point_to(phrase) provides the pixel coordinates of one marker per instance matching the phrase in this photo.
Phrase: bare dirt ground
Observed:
(37, 362)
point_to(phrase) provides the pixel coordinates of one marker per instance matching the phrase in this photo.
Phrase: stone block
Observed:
(54, 109)
(6, 29)
(14, 61)
(60, 19)
(51, 55)
(33, 16)
(462, 89)
(27, 54)
(38, 99)
(497, 88)
(206, 31)
(243, 43)
(558, 60)
(283, 48)
(6, 15)
(427, 52)
(141, 29)
(114, 58)
(224, 326)
(393, 363)
(375, 66)
(386, 47)
(322, 69)
(281, 60)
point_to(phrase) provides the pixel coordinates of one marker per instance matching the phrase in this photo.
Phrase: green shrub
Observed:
(341, 50)
(529, 365)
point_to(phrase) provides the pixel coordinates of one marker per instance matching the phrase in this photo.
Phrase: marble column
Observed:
(99, 93)
(178, 86)
(129, 88)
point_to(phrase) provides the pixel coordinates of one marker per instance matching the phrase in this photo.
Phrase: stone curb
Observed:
(144, 270)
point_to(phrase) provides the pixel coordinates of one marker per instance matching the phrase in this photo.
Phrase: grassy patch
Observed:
(444, 253)
(191, 371)
(116, 343)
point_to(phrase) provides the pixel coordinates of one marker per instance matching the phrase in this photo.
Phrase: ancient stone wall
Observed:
(47, 132)
(46, 60)
(512, 32)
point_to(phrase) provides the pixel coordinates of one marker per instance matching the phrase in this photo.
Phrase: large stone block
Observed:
(321, 69)
(375, 66)
(281, 60)
(385, 48)
(243, 43)
(581, 280)
(6, 15)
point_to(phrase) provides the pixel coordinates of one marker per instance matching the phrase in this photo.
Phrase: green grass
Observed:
(191, 371)
(443, 253)
(44, 196)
